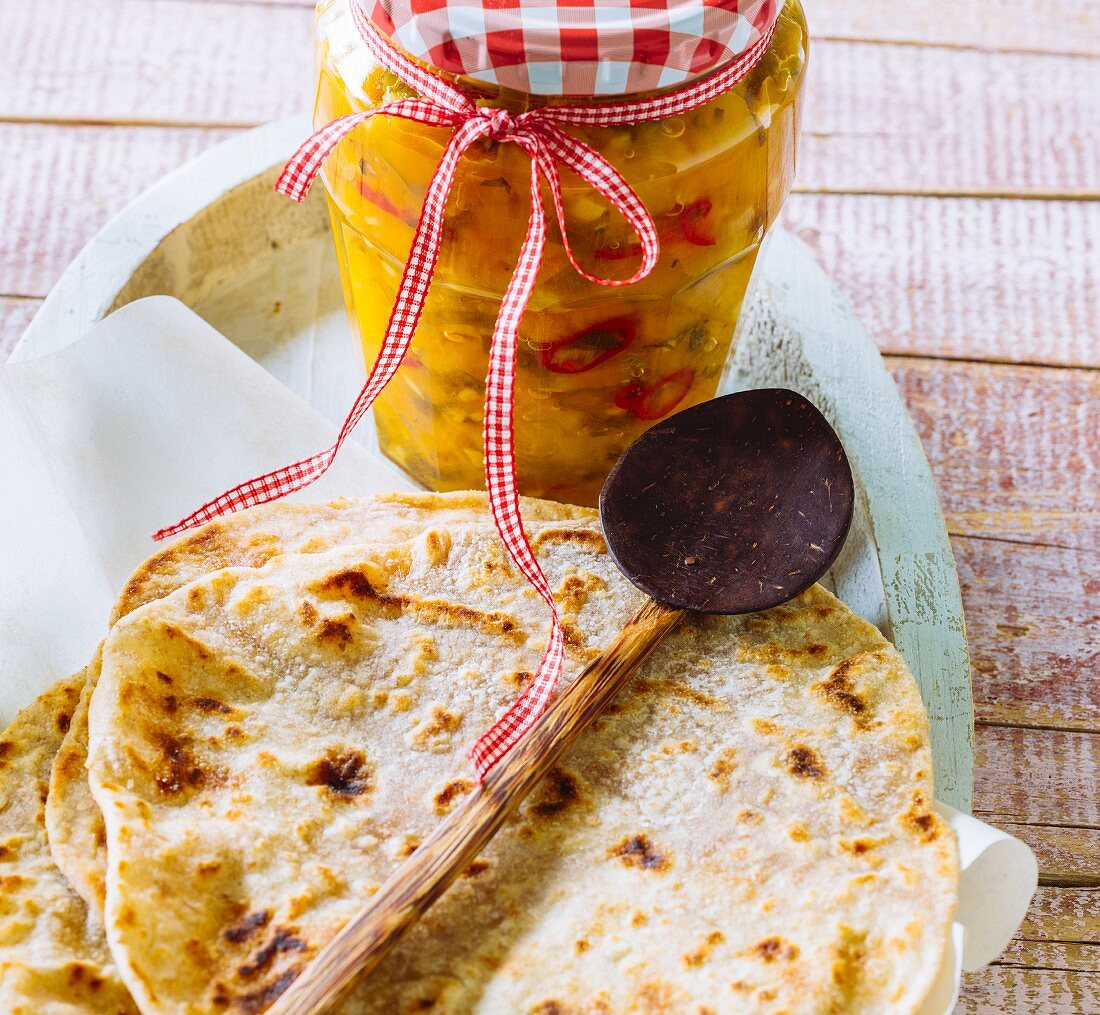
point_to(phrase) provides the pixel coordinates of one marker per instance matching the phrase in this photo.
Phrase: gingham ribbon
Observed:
(441, 104)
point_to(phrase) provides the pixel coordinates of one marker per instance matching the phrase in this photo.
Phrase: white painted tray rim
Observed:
(210, 232)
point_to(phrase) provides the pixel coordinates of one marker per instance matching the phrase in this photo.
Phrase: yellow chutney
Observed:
(596, 365)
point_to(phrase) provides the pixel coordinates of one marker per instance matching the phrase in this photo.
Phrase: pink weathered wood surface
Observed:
(948, 182)
(1032, 477)
(915, 119)
(1060, 26)
(72, 179)
(1015, 280)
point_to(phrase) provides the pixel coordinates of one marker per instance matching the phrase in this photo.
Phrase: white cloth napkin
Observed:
(154, 412)
(130, 428)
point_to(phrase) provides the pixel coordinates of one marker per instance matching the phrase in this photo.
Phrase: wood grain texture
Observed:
(1035, 776)
(1052, 963)
(73, 179)
(1002, 989)
(1062, 26)
(1033, 623)
(169, 62)
(1061, 955)
(965, 278)
(1014, 449)
(1063, 914)
(932, 120)
(1068, 855)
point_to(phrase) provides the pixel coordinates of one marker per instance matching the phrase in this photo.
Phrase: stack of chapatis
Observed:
(282, 711)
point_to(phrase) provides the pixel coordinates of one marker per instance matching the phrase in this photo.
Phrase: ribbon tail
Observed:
(304, 165)
(609, 183)
(404, 318)
(500, 481)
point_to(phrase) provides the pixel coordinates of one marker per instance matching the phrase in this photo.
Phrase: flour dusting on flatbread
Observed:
(748, 828)
(248, 539)
(53, 955)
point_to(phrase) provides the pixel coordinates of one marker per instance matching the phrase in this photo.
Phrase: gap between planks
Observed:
(1051, 727)
(930, 191)
(992, 361)
(181, 123)
(947, 193)
(1048, 880)
(872, 39)
(1068, 956)
(1037, 777)
(1014, 454)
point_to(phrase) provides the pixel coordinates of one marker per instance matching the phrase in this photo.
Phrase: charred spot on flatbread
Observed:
(444, 800)
(178, 769)
(703, 952)
(282, 940)
(557, 792)
(343, 772)
(804, 763)
(475, 868)
(775, 949)
(637, 851)
(920, 820)
(839, 690)
(212, 706)
(244, 928)
(253, 1002)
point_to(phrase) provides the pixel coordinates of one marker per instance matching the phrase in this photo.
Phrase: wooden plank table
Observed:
(948, 180)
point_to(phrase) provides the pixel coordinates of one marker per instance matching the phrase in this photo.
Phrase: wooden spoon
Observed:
(736, 505)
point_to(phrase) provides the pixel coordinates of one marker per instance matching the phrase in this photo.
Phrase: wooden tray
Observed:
(262, 270)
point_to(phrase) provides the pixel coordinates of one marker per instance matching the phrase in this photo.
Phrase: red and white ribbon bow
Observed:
(441, 104)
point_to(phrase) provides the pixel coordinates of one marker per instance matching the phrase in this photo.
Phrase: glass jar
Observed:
(596, 366)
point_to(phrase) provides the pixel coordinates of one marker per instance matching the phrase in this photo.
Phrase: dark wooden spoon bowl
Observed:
(732, 506)
(738, 504)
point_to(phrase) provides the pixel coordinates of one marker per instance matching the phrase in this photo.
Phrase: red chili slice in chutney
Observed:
(380, 201)
(619, 253)
(589, 348)
(657, 400)
(692, 226)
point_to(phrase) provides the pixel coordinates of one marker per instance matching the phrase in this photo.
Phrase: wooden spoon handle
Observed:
(456, 841)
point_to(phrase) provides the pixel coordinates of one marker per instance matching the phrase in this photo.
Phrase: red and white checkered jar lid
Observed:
(576, 47)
